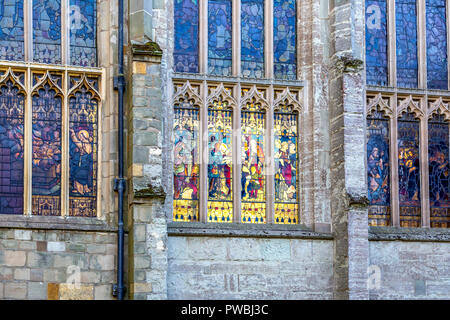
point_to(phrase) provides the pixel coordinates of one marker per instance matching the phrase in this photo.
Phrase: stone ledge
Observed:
(244, 231)
(409, 234)
(55, 223)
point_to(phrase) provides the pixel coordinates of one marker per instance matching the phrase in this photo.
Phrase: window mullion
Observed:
(65, 149)
(270, 185)
(28, 145)
(203, 216)
(236, 37)
(28, 29)
(421, 44)
(392, 46)
(268, 39)
(424, 181)
(237, 165)
(395, 204)
(65, 34)
(203, 37)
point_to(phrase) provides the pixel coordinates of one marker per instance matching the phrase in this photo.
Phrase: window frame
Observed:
(422, 107)
(30, 68)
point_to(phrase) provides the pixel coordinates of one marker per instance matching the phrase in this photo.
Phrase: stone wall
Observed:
(411, 270)
(47, 264)
(249, 268)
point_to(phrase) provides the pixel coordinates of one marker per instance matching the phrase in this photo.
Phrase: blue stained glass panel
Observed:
(378, 170)
(437, 69)
(186, 36)
(219, 37)
(83, 154)
(11, 149)
(47, 31)
(83, 32)
(406, 32)
(284, 39)
(439, 172)
(252, 38)
(11, 30)
(376, 43)
(409, 171)
(46, 161)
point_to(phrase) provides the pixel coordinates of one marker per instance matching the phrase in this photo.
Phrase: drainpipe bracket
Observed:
(120, 184)
(119, 81)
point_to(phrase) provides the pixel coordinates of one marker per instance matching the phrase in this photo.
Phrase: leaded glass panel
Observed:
(220, 156)
(12, 103)
(252, 38)
(83, 32)
(11, 30)
(376, 43)
(409, 171)
(378, 170)
(439, 173)
(437, 65)
(284, 39)
(186, 162)
(219, 37)
(83, 139)
(186, 36)
(47, 31)
(46, 158)
(406, 35)
(286, 165)
(253, 179)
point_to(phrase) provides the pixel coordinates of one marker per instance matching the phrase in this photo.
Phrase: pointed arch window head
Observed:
(50, 22)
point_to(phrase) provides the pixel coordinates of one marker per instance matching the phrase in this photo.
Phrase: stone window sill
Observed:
(54, 223)
(244, 230)
(409, 234)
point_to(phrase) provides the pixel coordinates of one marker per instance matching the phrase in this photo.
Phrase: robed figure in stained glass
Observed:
(286, 174)
(378, 171)
(252, 170)
(81, 161)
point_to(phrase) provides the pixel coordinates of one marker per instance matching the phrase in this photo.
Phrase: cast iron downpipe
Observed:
(120, 183)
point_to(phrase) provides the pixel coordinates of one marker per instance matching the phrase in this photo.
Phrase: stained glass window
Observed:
(378, 169)
(83, 32)
(219, 37)
(46, 152)
(409, 171)
(186, 36)
(406, 31)
(83, 137)
(284, 39)
(186, 162)
(437, 69)
(376, 43)
(47, 31)
(253, 179)
(11, 30)
(439, 173)
(252, 38)
(220, 193)
(12, 103)
(286, 164)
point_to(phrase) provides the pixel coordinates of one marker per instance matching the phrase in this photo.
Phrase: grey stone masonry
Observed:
(347, 130)
(56, 264)
(147, 223)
